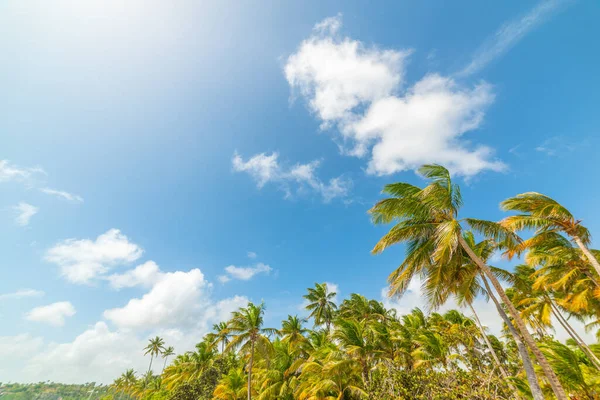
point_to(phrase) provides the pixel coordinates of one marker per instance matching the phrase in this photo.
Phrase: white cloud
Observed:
(557, 146)
(22, 293)
(174, 300)
(100, 354)
(146, 274)
(53, 314)
(252, 255)
(62, 194)
(359, 90)
(299, 178)
(24, 213)
(244, 273)
(10, 172)
(82, 261)
(511, 33)
(19, 346)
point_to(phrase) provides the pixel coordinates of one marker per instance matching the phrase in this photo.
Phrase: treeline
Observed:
(51, 391)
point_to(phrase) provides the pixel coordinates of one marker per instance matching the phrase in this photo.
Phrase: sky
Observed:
(164, 163)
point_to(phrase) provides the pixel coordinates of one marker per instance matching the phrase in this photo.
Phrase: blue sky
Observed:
(166, 163)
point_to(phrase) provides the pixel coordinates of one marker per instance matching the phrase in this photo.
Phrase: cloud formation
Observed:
(11, 172)
(82, 261)
(359, 90)
(297, 179)
(63, 195)
(22, 293)
(244, 273)
(53, 314)
(24, 213)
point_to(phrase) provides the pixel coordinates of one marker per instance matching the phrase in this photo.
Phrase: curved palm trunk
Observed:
(493, 352)
(582, 345)
(557, 388)
(250, 371)
(588, 254)
(164, 366)
(534, 385)
(150, 367)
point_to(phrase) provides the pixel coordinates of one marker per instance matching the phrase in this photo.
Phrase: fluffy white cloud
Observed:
(359, 90)
(81, 261)
(63, 195)
(53, 314)
(24, 213)
(22, 293)
(244, 273)
(98, 354)
(146, 274)
(11, 172)
(173, 300)
(298, 178)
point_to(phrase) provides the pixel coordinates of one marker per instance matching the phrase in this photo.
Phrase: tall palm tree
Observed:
(246, 326)
(544, 214)
(427, 218)
(321, 305)
(168, 352)
(221, 332)
(155, 347)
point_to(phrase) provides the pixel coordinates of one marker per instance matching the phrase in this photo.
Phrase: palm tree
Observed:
(292, 331)
(545, 214)
(155, 347)
(321, 305)
(169, 351)
(246, 327)
(221, 332)
(428, 220)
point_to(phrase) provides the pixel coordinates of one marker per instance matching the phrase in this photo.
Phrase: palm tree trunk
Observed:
(250, 371)
(150, 367)
(582, 345)
(164, 366)
(534, 385)
(557, 388)
(588, 253)
(492, 351)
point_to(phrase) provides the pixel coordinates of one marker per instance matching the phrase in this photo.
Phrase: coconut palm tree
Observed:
(155, 347)
(427, 218)
(544, 214)
(293, 332)
(168, 352)
(221, 332)
(246, 327)
(321, 305)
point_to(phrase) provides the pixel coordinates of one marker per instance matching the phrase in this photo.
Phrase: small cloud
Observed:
(511, 33)
(24, 213)
(53, 314)
(83, 260)
(22, 293)
(252, 255)
(299, 178)
(62, 194)
(244, 273)
(11, 172)
(557, 146)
